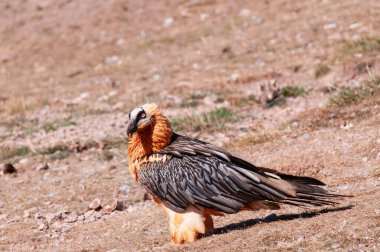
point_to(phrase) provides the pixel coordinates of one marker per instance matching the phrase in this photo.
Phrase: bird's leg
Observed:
(209, 224)
(187, 227)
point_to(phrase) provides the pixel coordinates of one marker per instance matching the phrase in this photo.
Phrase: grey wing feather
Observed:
(203, 175)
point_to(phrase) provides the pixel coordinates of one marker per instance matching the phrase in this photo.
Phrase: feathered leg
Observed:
(188, 226)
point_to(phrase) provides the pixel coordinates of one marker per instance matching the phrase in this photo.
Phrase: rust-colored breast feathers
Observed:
(143, 144)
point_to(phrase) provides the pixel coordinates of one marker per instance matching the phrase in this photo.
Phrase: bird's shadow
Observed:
(273, 217)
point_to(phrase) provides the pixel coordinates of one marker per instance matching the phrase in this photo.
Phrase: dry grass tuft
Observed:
(206, 121)
(48, 127)
(257, 136)
(361, 46)
(321, 70)
(353, 96)
(8, 152)
(292, 91)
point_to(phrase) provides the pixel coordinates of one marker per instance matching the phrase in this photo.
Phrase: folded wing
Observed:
(200, 174)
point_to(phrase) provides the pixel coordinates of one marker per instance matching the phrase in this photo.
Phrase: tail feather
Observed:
(301, 191)
(277, 187)
(309, 192)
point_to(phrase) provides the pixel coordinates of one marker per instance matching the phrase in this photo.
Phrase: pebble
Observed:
(95, 205)
(114, 59)
(245, 13)
(42, 226)
(40, 167)
(124, 188)
(168, 21)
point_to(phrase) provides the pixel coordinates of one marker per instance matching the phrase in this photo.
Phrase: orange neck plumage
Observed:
(152, 139)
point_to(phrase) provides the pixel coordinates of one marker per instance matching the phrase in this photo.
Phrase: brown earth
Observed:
(70, 71)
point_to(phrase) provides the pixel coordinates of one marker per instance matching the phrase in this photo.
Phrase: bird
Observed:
(194, 180)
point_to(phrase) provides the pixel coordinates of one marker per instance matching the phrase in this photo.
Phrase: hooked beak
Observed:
(132, 128)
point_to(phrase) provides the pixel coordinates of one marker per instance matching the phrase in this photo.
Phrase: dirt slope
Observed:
(70, 71)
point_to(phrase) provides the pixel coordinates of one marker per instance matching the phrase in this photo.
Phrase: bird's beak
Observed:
(132, 128)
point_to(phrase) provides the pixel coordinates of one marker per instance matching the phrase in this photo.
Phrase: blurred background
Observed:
(241, 74)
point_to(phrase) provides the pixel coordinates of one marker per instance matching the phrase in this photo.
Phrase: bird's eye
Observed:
(143, 115)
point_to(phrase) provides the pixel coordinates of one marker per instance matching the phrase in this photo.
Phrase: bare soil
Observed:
(70, 71)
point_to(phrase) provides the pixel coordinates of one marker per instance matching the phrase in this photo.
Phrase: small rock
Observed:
(120, 42)
(95, 205)
(168, 21)
(329, 26)
(355, 25)
(147, 197)
(116, 205)
(124, 189)
(42, 226)
(114, 59)
(38, 216)
(41, 167)
(23, 161)
(256, 19)
(234, 76)
(204, 16)
(245, 13)
(346, 125)
(9, 168)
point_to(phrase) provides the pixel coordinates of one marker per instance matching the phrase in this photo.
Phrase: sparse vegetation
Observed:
(105, 155)
(48, 127)
(211, 54)
(364, 45)
(214, 119)
(243, 101)
(53, 149)
(20, 122)
(279, 102)
(364, 67)
(292, 91)
(321, 70)
(8, 152)
(260, 137)
(115, 142)
(351, 96)
(58, 155)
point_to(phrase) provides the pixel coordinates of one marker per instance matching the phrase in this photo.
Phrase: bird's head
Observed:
(147, 117)
(148, 131)
(141, 118)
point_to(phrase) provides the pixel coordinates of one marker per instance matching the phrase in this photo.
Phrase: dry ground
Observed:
(70, 71)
